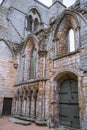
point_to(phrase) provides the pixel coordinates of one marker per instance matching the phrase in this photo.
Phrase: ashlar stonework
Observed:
(43, 68)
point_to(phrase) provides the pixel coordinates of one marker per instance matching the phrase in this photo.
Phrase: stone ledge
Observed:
(41, 121)
(31, 81)
(68, 54)
(38, 121)
(32, 119)
(19, 121)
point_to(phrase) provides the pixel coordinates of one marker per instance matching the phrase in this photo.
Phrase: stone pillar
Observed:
(41, 104)
(34, 107)
(29, 101)
(40, 100)
(42, 64)
(27, 106)
(35, 91)
(54, 104)
(41, 91)
(13, 110)
(17, 105)
(24, 107)
(84, 104)
(20, 105)
(42, 74)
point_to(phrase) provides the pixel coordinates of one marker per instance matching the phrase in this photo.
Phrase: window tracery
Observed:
(33, 21)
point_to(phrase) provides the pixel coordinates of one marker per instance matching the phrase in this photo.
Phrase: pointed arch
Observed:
(60, 19)
(64, 24)
(33, 39)
(34, 20)
(37, 10)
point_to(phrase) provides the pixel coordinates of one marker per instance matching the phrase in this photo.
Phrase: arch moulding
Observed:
(60, 72)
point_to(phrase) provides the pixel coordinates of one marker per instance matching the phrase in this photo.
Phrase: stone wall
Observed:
(7, 73)
(38, 97)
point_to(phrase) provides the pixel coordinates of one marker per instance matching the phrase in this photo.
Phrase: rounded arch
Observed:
(62, 72)
(9, 46)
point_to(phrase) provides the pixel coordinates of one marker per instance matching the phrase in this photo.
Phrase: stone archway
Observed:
(68, 102)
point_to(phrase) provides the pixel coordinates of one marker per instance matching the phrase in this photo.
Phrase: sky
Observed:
(48, 2)
(65, 2)
(0, 1)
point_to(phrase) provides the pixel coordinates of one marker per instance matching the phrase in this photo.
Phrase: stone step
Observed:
(19, 121)
(65, 128)
(24, 118)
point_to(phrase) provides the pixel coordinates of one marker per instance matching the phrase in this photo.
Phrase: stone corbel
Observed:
(42, 53)
(15, 63)
(35, 91)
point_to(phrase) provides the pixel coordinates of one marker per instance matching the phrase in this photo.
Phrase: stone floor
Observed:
(5, 124)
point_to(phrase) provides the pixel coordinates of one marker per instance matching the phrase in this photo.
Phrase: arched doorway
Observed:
(68, 103)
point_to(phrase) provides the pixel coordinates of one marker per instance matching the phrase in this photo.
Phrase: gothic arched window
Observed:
(71, 41)
(33, 20)
(30, 23)
(36, 23)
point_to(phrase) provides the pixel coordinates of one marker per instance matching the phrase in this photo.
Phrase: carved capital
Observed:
(42, 53)
(35, 91)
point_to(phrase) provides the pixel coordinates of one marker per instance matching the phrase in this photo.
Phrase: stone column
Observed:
(17, 105)
(29, 106)
(54, 105)
(83, 113)
(41, 104)
(29, 101)
(24, 106)
(20, 105)
(13, 110)
(41, 92)
(34, 107)
(35, 99)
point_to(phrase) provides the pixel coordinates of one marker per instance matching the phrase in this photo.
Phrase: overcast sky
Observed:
(66, 2)
(48, 2)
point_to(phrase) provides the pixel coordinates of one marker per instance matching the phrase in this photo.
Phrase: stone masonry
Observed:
(45, 79)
